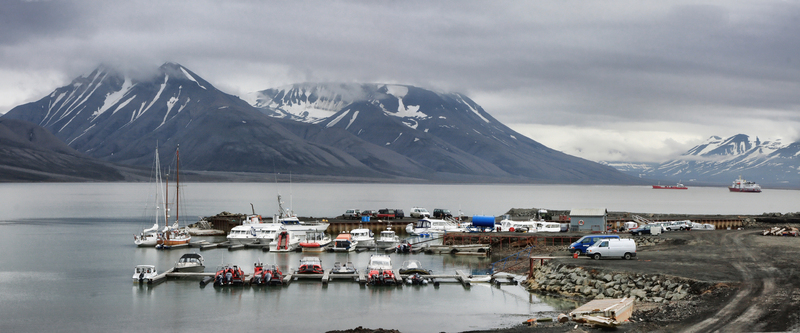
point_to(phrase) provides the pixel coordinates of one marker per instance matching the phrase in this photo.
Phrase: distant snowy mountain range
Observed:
(374, 131)
(720, 161)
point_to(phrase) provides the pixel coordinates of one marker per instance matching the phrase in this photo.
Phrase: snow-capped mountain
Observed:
(117, 118)
(446, 132)
(720, 161)
(371, 131)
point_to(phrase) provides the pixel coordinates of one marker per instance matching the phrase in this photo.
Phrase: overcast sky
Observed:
(606, 80)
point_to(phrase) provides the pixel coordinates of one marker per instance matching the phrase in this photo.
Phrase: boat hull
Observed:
(745, 190)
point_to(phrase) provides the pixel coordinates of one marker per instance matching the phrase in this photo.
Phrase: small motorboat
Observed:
(266, 276)
(344, 243)
(404, 247)
(380, 270)
(417, 279)
(144, 273)
(363, 237)
(228, 275)
(310, 265)
(347, 268)
(190, 262)
(387, 239)
(316, 241)
(413, 267)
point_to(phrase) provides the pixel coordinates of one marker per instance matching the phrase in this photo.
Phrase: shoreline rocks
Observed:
(577, 282)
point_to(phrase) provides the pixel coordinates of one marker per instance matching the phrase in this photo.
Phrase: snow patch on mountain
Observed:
(190, 77)
(113, 98)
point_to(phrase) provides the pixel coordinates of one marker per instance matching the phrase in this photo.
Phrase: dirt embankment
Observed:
(741, 281)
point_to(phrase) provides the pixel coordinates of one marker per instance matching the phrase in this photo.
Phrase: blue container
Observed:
(365, 219)
(483, 221)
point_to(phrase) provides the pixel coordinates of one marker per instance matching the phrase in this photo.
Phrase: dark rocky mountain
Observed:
(721, 160)
(445, 132)
(369, 132)
(30, 153)
(116, 118)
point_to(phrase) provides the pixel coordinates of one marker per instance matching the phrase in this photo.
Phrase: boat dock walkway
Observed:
(361, 277)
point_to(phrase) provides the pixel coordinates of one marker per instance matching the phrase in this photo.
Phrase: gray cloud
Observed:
(697, 66)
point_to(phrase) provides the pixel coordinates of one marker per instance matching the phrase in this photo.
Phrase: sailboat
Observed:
(173, 235)
(149, 237)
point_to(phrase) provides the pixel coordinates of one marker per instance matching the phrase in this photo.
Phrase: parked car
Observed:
(418, 212)
(621, 248)
(385, 213)
(679, 225)
(439, 213)
(584, 242)
(646, 230)
(369, 212)
(352, 214)
(399, 214)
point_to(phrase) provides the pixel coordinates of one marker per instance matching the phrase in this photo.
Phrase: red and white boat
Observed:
(678, 186)
(741, 185)
(263, 276)
(310, 265)
(316, 241)
(228, 275)
(379, 270)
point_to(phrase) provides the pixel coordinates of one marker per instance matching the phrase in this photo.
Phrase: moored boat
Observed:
(310, 265)
(285, 241)
(741, 185)
(228, 275)
(316, 241)
(149, 237)
(379, 270)
(413, 267)
(347, 268)
(190, 262)
(144, 273)
(344, 243)
(363, 237)
(266, 275)
(387, 239)
(428, 226)
(677, 186)
(174, 235)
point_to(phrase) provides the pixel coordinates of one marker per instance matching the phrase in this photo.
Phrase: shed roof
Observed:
(588, 212)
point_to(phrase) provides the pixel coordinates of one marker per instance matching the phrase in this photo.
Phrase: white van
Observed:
(621, 248)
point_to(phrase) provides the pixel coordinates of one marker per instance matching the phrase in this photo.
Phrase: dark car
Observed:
(386, 213)
(369, 212)
(398, 214)
(440, 213)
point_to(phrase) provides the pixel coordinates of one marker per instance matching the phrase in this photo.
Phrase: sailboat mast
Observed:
(177, 183)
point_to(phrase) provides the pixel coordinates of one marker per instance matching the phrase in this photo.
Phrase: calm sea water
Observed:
(67, 257)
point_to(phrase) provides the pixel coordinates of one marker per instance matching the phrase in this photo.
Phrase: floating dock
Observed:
(461, 277)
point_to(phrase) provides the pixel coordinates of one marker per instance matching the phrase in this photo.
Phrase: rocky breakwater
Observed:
(577, 282)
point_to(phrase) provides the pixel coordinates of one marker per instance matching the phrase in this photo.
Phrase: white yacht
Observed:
(364, 237)
(428, 226)
(286, 241)
(387, 239)
(255, 230)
